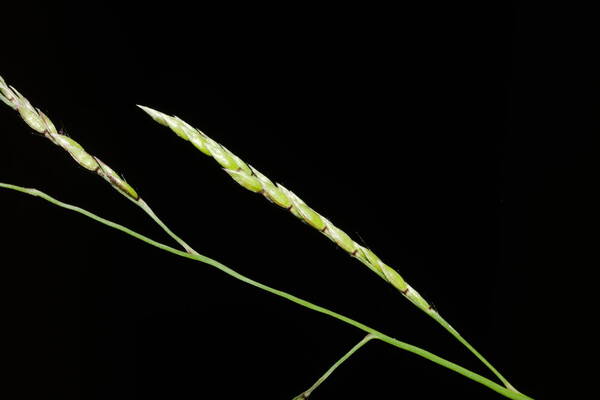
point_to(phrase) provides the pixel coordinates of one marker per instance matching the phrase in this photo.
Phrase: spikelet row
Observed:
(251, 179)
(39, 122)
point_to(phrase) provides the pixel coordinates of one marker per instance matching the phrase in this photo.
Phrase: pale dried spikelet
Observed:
(253, 180)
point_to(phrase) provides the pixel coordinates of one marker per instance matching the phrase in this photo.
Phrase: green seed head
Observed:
(155, 115)
(176, 126)
(11, 97)
(68, 144)
(340, 237)
(270, 191)
(360, 254)
(292, 207)
(194, 136)
(82, 157)
(307, 214)
(221, 155)
(248, 181)
(185, 127)
(199, 142)
(276, 195)
(241, 164)
(180, 127)
(417, 299)
(49, 125)
(255, 181)
(29, 114)
(394, 277)
(116, 181)
(372, 258)
(39, 122)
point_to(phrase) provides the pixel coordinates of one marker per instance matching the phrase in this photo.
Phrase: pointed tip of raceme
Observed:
(155, 115)
(175, 124)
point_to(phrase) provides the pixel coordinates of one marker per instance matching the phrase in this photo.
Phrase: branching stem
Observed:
(461, 339)
(198, 257)
(144, 206)
(251, 179)
(339, 362)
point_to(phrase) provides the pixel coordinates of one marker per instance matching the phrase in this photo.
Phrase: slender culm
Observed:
(232, 273)
(251, 179)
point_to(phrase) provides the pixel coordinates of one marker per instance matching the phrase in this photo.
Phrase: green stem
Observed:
(198, 257)
(339, 362)
(144, 206)
(253, 180)
(461, 339)
(436, 316)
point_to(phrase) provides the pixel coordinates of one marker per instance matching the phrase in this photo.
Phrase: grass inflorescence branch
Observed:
(304, 395)
(40, 123)
(251, 179)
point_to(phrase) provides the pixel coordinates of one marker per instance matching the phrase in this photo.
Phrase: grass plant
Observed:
(253, 180)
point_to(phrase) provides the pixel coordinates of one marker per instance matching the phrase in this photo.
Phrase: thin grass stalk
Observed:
(251, 179)
(304, 395)
(206, 260)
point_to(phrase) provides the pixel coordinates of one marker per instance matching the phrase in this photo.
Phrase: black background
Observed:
(448, 137)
